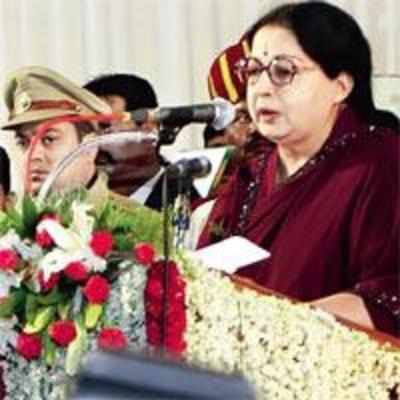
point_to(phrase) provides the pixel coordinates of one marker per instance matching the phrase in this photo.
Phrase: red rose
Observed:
(112, 339)
(101, 243)
(175, 343)
(76, 271)
(153, 331)
(177, 322)
(42, 238)
(97, 289)
(62, 332)
(50, 283)
(154, 306)
(154, 289)
(29, 346)
(9, 260)
(144, 253)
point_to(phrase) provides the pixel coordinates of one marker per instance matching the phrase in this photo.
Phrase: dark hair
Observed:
(137, 92)
(4, 171)
(334, 40)
(210, 133)
(83, 129)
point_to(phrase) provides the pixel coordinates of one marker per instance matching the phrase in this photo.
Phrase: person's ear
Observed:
(344, 86)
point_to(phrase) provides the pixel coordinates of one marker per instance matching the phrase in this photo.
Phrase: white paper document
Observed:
(231, 254)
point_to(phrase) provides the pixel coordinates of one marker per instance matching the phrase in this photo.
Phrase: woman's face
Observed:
(55, 145)
(305, 101)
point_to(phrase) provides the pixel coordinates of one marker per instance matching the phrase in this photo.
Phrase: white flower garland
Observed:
(288, 351)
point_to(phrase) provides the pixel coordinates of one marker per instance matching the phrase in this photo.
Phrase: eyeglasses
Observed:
(281, 70)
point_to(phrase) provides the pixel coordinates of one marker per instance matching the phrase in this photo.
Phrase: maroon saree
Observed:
(332, 227)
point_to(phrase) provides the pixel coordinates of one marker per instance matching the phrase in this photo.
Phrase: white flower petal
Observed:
(92, 261)
(82, 222)
(55, 261)
(7, 281)
(62, 237)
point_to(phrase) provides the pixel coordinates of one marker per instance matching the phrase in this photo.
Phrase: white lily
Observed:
(11, 240)
(72, 243)
(7, 281)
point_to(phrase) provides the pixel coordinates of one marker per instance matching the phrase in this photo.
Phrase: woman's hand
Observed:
(348, 306)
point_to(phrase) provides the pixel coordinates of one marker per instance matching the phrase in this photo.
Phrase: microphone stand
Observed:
(166, 135)
(182, 211)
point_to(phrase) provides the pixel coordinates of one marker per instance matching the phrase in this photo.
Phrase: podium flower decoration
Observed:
(58, 266)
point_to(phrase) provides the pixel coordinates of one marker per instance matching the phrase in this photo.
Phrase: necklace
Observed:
(251, 193)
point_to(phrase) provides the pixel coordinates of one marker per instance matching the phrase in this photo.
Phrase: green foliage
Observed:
(30, 215)
(131, 225)
(42, 320)
(31, 307)
(60, 204)
(92, 315)
(14, 221)
(53, 297)
(12, 304)
(64, 308)
(5, 223)
(49, 349)
(77, 348)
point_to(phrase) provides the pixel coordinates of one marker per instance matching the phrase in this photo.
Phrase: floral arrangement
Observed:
(64, 275)
(74, 279)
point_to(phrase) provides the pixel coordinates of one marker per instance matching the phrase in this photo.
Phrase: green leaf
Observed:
(64, 308)
(53, 297)
(31, 307)
(76, 349)
(16, 221)
(5, 223)
(49, 350)
(30, 215)
(42, 319)
(92, 314)
(9, 305)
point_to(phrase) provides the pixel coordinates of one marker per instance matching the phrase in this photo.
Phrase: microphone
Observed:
(219, 114)
(189, 168)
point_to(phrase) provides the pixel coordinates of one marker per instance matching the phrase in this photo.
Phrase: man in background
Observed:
(34, 95)
(134, 169)
(223, 81)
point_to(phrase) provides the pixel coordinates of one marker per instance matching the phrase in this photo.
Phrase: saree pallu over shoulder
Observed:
(331, 227)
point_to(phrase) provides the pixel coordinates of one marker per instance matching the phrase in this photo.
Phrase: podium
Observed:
(215, 323)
